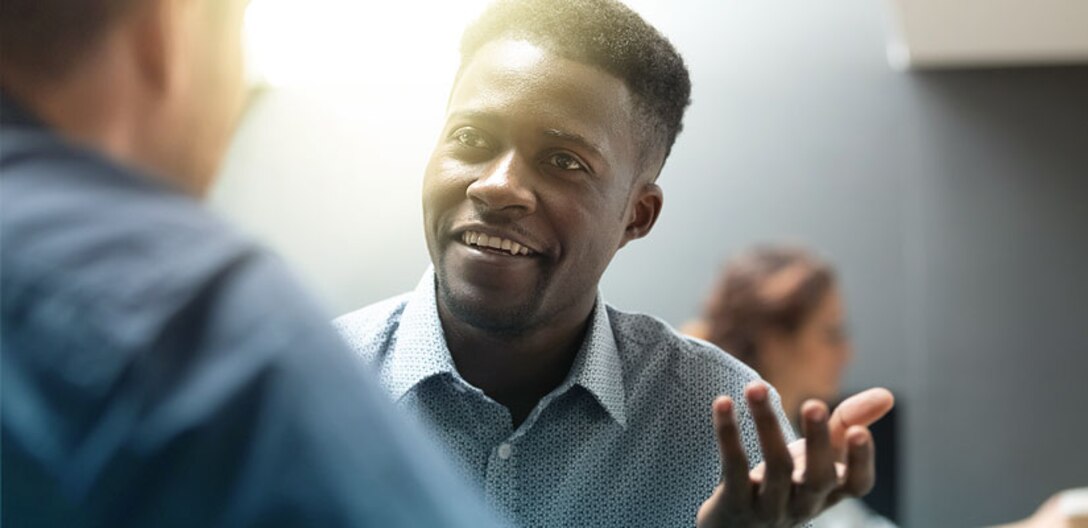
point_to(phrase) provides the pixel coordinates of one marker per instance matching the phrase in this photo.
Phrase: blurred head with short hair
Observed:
(155, 84)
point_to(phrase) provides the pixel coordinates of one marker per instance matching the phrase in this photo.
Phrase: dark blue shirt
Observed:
(158, 369)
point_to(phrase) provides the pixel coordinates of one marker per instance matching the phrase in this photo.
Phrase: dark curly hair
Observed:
(605, 34)
(773, 288)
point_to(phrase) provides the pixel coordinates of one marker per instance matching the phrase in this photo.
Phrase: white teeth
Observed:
(473, 238)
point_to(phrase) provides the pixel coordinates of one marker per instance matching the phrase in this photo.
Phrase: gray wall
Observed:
(999, 288)
(955, 205)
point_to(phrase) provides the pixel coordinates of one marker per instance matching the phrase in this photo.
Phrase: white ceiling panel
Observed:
(967, 33)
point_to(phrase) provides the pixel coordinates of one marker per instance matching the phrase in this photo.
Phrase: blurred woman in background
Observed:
(779, 310)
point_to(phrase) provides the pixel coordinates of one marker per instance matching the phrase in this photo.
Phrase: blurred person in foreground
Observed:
(568, 411)
(158, 369)
(779, 310)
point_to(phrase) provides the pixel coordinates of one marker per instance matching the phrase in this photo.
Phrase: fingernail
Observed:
(724, 404)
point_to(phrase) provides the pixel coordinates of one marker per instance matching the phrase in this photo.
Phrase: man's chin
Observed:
(493, 313)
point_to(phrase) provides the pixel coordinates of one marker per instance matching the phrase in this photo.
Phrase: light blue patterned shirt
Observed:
(626, 440)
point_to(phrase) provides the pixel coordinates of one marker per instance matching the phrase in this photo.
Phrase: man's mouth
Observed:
(495, 244)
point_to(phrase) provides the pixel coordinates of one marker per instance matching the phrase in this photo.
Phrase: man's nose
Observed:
(505, 186)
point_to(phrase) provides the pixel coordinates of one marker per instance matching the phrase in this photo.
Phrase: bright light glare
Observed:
(308, 42)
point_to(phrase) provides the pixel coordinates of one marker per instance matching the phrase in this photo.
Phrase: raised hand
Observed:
(795, 482)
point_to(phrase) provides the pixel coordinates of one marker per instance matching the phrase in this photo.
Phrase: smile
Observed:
(480, 240)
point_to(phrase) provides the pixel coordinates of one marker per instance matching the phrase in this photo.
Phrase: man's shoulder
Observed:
(89, 240)
(62, 202)
(664, 369)
(651, 348)
(368, 330)
(101, 264)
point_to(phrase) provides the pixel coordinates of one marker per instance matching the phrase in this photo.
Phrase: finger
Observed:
(819, 476)
(862, 409)
(798, 450)
(797, 453)
(734, 462)
(860, 465)
(774, 491)
(756, 474)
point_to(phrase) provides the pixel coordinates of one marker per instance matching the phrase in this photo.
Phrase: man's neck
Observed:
(515, 370)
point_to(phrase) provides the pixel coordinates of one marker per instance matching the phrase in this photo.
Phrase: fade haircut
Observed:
(607, 35)
(44, 39)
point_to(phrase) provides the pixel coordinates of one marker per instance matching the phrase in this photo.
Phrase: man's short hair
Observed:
(605, 34)
(44, 39)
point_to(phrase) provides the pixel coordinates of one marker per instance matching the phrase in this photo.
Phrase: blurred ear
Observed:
(644, 212)
(153, 32)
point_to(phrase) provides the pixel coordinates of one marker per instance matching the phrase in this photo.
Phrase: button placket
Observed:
(500, 481)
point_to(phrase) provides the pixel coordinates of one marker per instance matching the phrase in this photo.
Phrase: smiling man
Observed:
(567, 411)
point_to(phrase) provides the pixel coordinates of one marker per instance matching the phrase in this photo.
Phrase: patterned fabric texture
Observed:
(626, 441)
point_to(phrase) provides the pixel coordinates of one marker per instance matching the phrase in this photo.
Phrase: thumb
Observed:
(862, 409)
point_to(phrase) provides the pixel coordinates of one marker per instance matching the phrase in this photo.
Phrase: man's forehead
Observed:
(520, 65)
(514, 53)
(512, 80)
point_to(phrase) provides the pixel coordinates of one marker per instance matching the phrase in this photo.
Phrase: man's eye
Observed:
(566, 162)
(471, 138)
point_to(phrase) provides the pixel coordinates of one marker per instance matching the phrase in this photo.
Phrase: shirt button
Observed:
(506, 451)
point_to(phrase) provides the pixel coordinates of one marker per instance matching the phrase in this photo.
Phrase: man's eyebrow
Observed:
(574, 138)
(471, 115)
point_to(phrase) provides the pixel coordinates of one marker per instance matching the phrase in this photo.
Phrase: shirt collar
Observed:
(420, 353)
(598, 367)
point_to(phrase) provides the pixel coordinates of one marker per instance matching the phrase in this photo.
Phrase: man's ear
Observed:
(644, 212)
(153, 32)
